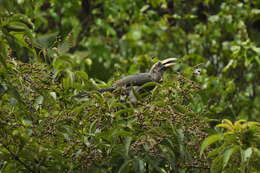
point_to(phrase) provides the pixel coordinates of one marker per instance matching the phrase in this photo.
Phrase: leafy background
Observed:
(51, 50)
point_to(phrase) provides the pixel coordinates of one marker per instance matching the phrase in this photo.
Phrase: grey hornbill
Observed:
(136, 80)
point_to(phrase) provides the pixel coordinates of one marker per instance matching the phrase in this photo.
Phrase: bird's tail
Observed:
(101, 90)
(111, 89)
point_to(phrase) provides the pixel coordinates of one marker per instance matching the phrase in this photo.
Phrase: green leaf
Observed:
(139, 165)
(182, 109)
(127, 145)
(214, 152)
(23, 19)
(210, 140)
(256, 49)
(123, 111)
(86, 141)
(256, 151)
(81, 75)
(46, 40)
(247, 154)
(226, 126)
(216, 165)
(227, 154)
(16, 26)
(92, 127)
(2, 60)
(54, 95)
(148, 85)
(124, 167)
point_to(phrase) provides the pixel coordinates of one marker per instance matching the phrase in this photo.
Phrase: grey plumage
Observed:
(136, 80)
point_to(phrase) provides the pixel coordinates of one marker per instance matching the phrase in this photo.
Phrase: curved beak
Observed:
(169, 62)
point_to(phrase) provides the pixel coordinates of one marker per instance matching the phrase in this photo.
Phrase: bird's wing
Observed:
(134, 80)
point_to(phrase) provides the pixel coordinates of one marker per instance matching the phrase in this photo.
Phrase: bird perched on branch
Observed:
(135, 81)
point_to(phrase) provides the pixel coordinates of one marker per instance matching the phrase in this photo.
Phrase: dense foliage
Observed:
(51, 50)
(240, 141)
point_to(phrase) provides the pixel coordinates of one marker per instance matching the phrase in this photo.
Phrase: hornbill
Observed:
(137, 80)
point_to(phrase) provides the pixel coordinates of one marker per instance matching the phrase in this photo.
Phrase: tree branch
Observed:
(17, 158)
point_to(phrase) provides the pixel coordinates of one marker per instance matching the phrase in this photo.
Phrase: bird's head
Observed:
(162, 65)
(159, 67)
